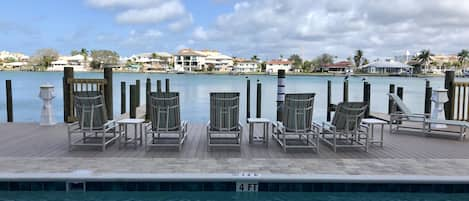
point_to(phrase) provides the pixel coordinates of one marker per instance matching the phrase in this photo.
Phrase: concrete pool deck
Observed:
(27, 148)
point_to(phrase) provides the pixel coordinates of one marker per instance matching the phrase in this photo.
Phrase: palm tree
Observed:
(254, 58)
(84, 52)
(463, 56)
(358, 58)
(424, 58)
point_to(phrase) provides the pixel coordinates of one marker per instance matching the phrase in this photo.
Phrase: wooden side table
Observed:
(265, 137)
(123, 132)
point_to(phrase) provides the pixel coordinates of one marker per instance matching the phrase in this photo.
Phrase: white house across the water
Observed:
(387, 67)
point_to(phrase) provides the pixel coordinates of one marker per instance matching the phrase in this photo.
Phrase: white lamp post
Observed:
(47, 94)
(439, 97)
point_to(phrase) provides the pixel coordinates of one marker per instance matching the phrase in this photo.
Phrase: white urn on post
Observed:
(47, 94)
(439, 98)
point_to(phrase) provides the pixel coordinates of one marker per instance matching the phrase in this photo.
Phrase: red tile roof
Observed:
(342, 64)
(279, 62)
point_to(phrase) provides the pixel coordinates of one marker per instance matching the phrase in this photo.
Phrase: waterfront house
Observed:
(158, 61)
(17, 57)
(339, 67)
(387, 67)
(218, 61)
(189, 60)
(278, 64)
(15, 65)
(245, 66)
(77, 62)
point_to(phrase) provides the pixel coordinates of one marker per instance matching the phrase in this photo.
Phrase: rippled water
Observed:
(194, 90)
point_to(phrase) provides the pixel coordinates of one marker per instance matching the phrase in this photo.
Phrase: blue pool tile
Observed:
(458, 188)
(318, 187)
(130, 186)
(36, 186)
(54, 186)
(273, 187)
(4, 186)
(263, 187)
(153, 186)
(165, 186)
(307, 187)
(338, 187)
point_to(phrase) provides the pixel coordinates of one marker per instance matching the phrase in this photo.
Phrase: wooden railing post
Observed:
(449, 85)
(108, 97)
(9, 99)
(123, 98)
(68, 74)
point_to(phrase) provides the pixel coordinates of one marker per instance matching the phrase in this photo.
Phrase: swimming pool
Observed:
(229, 196)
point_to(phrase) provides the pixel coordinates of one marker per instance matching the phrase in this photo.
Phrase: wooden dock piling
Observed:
(133, 101)
(137, 84)
(400, 94)
(428, 97)
(280, 94)
(167, 85)
(248, 99)
(390, 101)
(158, 86)
(259, 99)
(9, 99)
(449, 85)
(367, 97)
(329, 101)
(108, 97)
(123, 98)
(345, 94)
(147, 99)
(68, 74)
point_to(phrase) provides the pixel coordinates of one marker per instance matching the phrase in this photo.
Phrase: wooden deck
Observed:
(31, 140)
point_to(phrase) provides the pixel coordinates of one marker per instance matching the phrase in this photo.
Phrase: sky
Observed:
(267, 28)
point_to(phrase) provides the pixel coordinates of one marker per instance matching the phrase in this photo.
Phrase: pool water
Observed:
(227, 196)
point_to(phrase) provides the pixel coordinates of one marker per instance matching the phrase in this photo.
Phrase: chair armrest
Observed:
(328, 126)
(147, 126)
(278, 126)
(73, 126)
(110, 125)
(184, 125)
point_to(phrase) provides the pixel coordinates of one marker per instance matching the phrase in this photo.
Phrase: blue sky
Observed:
(268, 28)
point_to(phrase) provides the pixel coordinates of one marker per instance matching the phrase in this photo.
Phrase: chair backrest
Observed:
(165, 111)
(90, 110)
(298, 112)
(224, 111)
(348, 115)
(398, 101)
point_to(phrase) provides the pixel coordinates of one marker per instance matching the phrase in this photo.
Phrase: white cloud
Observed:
(152, 33)
(123, 3)
(163, 12)
(181, 24)
(380, 27)
(200, 33)
(171, 12)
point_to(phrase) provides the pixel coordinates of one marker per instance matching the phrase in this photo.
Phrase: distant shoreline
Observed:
(246, 74)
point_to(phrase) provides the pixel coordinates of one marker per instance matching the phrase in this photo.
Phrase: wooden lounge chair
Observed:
(166, 128)
(296, 130)
(345, 130)
(422, 122)
(224, 129)
(92, 123)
